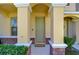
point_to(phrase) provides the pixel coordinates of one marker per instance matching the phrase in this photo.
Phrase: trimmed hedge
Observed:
(69, 41)
(13, 50)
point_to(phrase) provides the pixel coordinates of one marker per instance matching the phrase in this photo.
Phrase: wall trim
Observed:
(71, 12)
(24, 44)
(59, 4)
(59, 45)
(54, 45)
(21, 4)
(8, 36)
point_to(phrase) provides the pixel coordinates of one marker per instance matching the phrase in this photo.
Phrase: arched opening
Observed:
(39, 23)
(40, 8)
(70, 26)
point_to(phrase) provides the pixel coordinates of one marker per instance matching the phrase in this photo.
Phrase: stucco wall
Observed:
(4, 26)
(71, 7)
(47, 24)
(65, 28)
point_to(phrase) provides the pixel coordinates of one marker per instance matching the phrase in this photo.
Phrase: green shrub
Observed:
(13, 50)
(69, 41)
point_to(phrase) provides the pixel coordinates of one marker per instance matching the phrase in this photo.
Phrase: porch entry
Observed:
(40, 31)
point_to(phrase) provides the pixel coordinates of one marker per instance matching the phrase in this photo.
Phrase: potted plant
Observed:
(69, 41)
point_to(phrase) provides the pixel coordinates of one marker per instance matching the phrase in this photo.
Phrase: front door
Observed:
(40, 30)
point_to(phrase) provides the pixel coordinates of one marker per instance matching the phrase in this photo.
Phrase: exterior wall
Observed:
(71, 7)
(65, 28)
(71, 29)
(77, 6)
(77, 31)
(4, 26)
(48, 26)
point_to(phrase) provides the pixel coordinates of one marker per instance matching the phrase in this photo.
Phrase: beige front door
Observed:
(40, 30)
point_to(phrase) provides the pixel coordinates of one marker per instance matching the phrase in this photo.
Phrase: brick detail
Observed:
(8, 40)
(47, 39)
(58, 51)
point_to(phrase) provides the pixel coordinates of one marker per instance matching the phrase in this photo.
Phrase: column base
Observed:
(57, 49)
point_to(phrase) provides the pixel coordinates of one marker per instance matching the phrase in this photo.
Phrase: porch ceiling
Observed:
(47, 4)
(8, 7)
(40, 8)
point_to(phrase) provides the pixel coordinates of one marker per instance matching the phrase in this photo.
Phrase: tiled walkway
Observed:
(40, 50)
(76, 46)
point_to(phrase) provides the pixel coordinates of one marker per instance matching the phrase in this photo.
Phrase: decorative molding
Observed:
(8, 36)
(57, 45)
(30, 8)
(59, 4)
(74, 12)
(50, 8)
(21, 4)
(24, 44)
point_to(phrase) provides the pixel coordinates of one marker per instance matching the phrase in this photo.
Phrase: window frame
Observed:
(12, 27)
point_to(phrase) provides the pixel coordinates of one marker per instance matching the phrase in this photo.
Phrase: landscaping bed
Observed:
(13, 50)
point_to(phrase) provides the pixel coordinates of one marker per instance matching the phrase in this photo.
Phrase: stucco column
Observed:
(58, 29)
(23, 26)
(23, 23)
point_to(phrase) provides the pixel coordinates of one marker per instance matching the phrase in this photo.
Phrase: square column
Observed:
(58, 29)
(23, 23)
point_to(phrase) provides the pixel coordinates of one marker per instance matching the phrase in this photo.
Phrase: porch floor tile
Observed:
(40, 50)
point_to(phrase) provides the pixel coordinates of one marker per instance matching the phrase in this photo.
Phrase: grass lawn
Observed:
(71, 52)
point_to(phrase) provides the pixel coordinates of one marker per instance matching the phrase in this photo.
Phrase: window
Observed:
(13, 26)
(68, 4)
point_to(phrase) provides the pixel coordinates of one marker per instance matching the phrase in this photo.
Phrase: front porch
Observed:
(37, 24)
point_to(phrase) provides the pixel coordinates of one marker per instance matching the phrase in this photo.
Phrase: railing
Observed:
(51, 50)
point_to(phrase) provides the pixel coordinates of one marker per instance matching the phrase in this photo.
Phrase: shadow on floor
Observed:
(72, 51)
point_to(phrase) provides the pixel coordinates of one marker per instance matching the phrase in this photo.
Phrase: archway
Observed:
(39, 18)
(70, 26)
